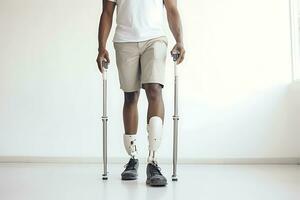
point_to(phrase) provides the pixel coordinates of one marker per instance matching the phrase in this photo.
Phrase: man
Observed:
(141, 45)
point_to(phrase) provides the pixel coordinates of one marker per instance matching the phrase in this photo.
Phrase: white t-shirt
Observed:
(139, 20)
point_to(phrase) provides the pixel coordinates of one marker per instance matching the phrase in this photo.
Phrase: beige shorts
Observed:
(141, 62)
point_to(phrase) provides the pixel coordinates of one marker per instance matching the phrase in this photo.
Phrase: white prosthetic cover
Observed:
(155, 130)
(130, 144)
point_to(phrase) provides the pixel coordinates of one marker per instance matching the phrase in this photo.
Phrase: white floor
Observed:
(83, 181)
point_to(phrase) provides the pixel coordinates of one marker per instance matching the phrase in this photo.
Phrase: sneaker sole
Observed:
(164, 183)
(129, 178)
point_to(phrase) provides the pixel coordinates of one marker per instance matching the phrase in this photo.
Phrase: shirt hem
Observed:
(141, 39)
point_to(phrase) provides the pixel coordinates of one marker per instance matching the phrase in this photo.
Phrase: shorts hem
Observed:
(159, 82)
(130, 90)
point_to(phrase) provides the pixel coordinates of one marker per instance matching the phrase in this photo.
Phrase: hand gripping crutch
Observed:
(104, 119)
(175, 56)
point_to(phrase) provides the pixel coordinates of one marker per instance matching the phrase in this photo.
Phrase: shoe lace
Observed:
(130, 165)
(156, 169)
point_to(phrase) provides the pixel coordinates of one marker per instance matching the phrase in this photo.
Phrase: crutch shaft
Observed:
(104, 148)
(175, 122)
(175, 141)
(104, 121)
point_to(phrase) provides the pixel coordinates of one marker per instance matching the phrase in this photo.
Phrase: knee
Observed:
(153, 92)
(131, 98)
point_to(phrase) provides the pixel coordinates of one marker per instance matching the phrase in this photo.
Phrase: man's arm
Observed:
(103, 32)
(175, 27)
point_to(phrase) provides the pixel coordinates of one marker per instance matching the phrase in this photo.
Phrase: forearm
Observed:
(175, 25)
(104, 29)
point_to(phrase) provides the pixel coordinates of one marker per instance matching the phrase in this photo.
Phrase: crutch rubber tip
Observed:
(104, 177)
(174, 178)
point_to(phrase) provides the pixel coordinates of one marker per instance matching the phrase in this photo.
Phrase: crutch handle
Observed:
(175, 55)
(105, 67)
(105, 64)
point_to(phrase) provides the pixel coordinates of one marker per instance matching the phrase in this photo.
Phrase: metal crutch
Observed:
(104, 120)
(175, 56)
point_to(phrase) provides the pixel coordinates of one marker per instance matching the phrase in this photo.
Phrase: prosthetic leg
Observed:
(153, 171)
(175, 56)
(130, 145)
(104, 120)
(131, 168)
(155, 131)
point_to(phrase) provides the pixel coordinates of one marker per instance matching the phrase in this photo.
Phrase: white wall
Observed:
(236, 98)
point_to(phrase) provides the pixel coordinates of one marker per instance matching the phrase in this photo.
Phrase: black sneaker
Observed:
(130, 172)
(154, 176)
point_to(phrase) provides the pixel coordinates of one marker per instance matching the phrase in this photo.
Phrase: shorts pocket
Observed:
(165, 40)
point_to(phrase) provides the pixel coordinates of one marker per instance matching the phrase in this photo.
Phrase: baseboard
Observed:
(116, 160)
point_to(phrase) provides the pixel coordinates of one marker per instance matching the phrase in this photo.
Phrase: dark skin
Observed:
(153, 90)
